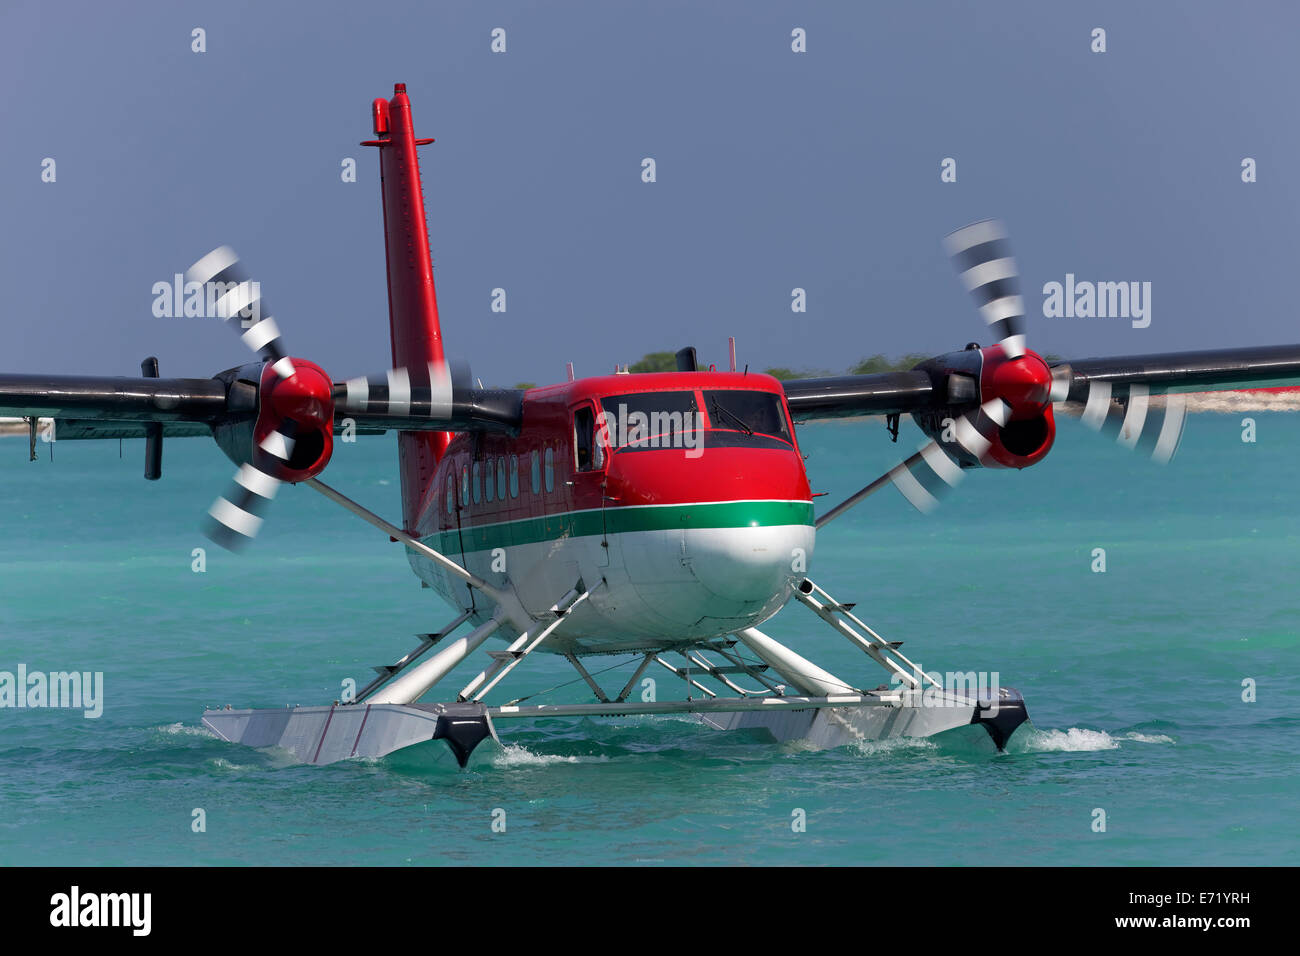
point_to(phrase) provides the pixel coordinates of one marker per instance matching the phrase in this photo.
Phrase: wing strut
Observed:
(864, 493)
(397, 534)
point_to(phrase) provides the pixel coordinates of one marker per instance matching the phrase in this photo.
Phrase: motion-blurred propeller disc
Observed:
(236, 517)
(982, 257)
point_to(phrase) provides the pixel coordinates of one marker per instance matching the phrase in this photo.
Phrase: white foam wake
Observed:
(890, 744)
(513, 755)
(184, 730)
(1074, 739)
(1149, 738)
(1078, 739)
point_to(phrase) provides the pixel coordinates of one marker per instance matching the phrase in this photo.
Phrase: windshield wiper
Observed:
(733, 416)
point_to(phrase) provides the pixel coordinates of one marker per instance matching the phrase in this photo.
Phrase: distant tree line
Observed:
(667, 362)
(873, 364)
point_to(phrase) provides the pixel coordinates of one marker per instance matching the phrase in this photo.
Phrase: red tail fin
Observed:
(412, 304)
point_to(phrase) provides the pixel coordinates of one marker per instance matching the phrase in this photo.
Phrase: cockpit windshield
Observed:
(674, 419)
(650, 419)
(750, 413)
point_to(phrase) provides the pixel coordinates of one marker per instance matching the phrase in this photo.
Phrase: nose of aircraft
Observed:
(734, 534)
(749, 565)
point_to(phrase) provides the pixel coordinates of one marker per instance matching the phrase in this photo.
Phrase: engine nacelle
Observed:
(974, 376)
(262, 405)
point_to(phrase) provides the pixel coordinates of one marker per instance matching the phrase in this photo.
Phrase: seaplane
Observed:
(659, 519)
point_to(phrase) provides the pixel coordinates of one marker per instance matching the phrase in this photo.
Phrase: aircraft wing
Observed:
(105, 399)
(1188, 371)
(928, 386)
(75, 429)
(840, 396)
(87, 407)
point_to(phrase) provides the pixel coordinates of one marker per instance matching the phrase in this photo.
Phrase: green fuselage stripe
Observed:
(615, 520)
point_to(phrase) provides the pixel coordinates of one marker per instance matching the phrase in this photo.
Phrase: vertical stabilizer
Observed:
(412, 303)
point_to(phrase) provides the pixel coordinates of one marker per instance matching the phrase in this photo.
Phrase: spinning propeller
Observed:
(287, 433)
(1012, 426)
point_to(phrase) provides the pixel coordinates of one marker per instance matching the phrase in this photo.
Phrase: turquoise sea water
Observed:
(1133, 678)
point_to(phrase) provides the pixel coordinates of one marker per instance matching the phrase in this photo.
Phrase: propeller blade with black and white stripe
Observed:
(423, 392)
(926, 477)
(1150, 424)
(427, 392)
(1062, 378)
(929, 474)
(236, 517)
(240, 303)
(982, 256)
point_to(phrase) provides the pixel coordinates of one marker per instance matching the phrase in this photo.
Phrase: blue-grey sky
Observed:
(775, 170)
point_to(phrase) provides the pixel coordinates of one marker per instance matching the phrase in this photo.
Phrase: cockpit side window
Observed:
(588, 455)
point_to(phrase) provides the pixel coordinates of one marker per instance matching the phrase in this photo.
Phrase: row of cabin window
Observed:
(489, 481)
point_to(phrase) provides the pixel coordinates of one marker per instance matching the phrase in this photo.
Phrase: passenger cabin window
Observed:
(487, 480)
(537, 473)
(449, 492)
(464, 486)
(550, 469)
(501, 478)
(514, 476)
(478, 483)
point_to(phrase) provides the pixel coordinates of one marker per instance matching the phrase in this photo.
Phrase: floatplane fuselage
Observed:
(683, 494)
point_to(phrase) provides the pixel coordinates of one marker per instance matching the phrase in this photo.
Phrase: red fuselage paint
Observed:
(727, 468)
